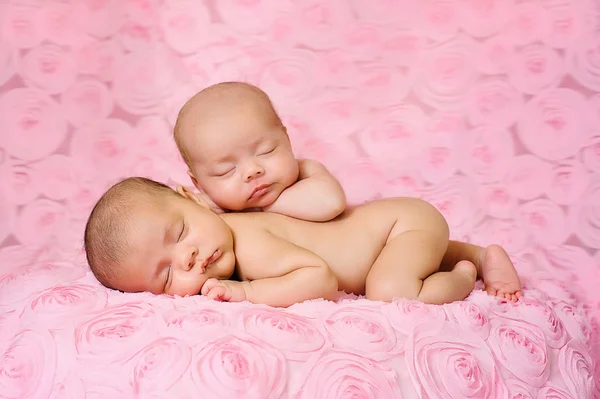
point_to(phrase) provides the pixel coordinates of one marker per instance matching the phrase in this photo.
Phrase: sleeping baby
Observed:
(240, 157)
(144, 236)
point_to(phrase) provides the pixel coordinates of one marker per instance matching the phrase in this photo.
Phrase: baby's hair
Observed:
(220, 94)
(105, 237)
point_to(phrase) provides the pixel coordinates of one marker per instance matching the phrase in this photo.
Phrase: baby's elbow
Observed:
(336, 205)
(339, 204)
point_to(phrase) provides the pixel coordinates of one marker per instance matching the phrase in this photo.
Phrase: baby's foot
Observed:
(499, 275)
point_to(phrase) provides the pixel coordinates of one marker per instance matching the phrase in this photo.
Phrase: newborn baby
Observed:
(240, 157)
(144, 236)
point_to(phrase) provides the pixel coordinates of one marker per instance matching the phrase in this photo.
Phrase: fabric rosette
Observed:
(159, 365)
(237, 366)
(116, 332)
(195, 325)
(404, 314)
(470, 317)
(339, 375)
(576, 368)
(520, 348)
(27, 365)
(296, 336)
(443, 365)
(545, 318)
(362, 331)
(53, 305)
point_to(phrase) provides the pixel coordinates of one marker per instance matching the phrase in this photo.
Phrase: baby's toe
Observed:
(491, 291)
(518, 294)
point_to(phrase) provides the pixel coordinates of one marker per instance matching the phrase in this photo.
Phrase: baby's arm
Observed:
(287, 274)
(317, 196)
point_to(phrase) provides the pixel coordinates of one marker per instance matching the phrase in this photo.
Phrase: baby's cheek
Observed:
(226, 194)
(288, 169)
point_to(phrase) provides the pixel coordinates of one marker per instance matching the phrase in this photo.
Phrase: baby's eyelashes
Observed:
(169, 271)
(268, 151)
(224, 173)
(182, 231)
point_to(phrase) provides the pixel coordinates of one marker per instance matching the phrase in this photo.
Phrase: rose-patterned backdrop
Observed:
(487, 108)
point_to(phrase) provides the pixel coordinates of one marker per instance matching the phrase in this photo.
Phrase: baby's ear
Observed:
(185, 192)
(194, 180)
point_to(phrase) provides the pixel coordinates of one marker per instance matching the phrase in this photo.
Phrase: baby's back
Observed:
(350, 243)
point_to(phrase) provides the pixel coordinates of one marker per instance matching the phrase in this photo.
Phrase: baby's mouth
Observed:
(211, 259)
(259, 191)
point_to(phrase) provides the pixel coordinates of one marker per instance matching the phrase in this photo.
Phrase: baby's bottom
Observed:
(409, 264)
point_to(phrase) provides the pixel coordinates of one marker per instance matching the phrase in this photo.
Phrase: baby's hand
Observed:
(224, 290)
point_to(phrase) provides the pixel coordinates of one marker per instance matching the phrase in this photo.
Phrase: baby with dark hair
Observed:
(144, 236)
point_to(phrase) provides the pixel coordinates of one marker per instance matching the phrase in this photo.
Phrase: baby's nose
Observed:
(189, 260)
(253, 171)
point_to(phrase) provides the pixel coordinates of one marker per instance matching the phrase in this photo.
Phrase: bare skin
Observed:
(493, 265)
(383, 249)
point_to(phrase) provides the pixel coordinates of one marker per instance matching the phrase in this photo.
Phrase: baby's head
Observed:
(235, 146)
(144, 236)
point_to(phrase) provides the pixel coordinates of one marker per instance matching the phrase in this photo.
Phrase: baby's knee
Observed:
(387, 289)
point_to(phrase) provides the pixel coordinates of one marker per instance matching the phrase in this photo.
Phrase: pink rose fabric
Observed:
(50, 68)
(32, 116)
(512, 340)
(361, 331)
(345, 375)
(196, 324)
(489, 110)
(56, 303)
(238, 366)
(470, 316)
(576, 368)
(159, 365)
(30, 361)
(442, 364)
(115, 332)
(296, 336)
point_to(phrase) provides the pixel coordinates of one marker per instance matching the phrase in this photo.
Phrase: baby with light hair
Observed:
(144, 236)
(240, 157)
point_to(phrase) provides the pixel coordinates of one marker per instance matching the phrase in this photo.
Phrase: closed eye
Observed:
(268, 152)
(167, 279)
(224, 173)
(182, 231)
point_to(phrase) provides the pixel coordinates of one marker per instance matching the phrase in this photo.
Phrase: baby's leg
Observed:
(493, 265)
(408, 265)
(446, 287)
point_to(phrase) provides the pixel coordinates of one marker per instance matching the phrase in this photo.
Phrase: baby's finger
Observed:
(208, 285)
(217, 293)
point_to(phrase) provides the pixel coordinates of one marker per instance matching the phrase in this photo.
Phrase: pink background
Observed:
(489, 109)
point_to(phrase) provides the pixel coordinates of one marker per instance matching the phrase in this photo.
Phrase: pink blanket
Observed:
(65, 338)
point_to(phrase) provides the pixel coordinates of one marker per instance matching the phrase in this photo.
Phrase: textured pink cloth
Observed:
(488, 109)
